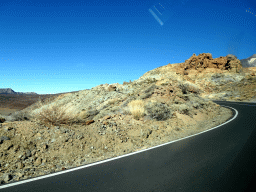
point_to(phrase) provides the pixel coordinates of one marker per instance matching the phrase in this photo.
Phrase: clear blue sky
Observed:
(54, 46)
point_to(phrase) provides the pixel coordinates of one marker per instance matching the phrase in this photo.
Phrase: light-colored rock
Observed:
(249, 62)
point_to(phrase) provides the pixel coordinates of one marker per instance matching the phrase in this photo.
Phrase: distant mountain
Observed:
(10, 91)
(249, 62)
(26, 93)
(7, 91)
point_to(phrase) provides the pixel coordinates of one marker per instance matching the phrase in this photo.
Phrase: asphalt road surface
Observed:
(221, 159)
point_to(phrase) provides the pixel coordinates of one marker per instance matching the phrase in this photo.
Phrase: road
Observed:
(221, 159)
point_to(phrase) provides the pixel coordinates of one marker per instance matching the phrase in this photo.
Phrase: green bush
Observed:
(187, 88)
(183, 109)
(158, 111)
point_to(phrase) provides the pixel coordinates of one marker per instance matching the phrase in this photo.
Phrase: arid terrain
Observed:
(11, 103)
(56, 132)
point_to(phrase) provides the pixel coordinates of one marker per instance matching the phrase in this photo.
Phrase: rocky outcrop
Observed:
(205, 60)
(206, 76)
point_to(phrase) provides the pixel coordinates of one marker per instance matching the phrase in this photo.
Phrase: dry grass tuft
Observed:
(54, 115)
(137, 108)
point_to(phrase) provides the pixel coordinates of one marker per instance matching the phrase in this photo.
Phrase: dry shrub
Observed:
(111, 88)
(158, 111)
(55, 115)
(137, 108)
(112, 101)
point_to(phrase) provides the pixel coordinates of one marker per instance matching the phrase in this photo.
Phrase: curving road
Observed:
(221, 159)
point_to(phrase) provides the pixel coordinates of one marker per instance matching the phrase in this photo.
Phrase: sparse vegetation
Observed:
(53, 114)
(113, 136)
(21, 116)
(113, 101)
(147, 81)
(137, 108)
(85, 114)
(187, 87)
(158, 111)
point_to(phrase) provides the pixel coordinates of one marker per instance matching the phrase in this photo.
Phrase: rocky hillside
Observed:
(249, 62)
(163, 105)
(10, 91)
(201, 77)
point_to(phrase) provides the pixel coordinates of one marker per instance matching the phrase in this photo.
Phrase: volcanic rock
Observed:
(205, 60)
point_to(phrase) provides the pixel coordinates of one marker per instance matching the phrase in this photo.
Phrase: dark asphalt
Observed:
(219, 160)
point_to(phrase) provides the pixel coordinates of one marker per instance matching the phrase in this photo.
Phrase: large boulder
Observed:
(205, 60)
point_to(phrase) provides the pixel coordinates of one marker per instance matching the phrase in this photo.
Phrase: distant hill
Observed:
(249, 62)
(71, 91)
(10, 91)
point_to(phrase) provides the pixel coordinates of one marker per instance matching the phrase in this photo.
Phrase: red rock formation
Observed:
(205, 60)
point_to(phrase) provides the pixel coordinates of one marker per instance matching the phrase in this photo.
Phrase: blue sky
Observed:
(53, 46)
